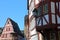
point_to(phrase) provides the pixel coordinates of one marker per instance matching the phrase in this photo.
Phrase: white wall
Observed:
(31, 8)
(32, 24)
(34, 37)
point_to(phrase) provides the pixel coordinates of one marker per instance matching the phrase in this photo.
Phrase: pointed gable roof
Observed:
(15, 27)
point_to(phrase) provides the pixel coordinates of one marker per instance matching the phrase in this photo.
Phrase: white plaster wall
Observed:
(37, 1)
(32, 24)
(35, 37)
(33, 32)
(31, 8)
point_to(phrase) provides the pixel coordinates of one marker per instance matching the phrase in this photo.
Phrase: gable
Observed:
(11, 27)
(8, 27)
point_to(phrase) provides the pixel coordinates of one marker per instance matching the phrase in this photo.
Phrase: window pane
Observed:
(52, 36)
(53, 19)
(58, 19)
(52, 7)
(45, 7)
(39, 10)
(38, 22)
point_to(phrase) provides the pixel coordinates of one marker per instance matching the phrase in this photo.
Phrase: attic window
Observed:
(8, 22)
(8, 29)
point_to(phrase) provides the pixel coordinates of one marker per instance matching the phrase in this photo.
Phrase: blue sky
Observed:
(14, 9)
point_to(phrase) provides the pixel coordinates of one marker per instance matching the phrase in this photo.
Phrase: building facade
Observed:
(26, 29)
(32, 33)
(11, 31)
(44, 19)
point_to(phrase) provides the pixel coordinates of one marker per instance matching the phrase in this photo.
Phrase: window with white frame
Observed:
(52, 7)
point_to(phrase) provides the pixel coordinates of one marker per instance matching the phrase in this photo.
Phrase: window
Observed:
(53, 19)
(52, 7)
(5, 35)
(7, 29)
(45, 8)
(52, 36)
(38, 21)
(8, 22)
(35, 12)
(39, 10)
(2, 36)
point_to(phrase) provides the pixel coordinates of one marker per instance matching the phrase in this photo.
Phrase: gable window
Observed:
(2, 36)
(7, 29)
(5, 35)
(8, 22)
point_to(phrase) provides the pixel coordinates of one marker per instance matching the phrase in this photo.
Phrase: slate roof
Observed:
(1, 30)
